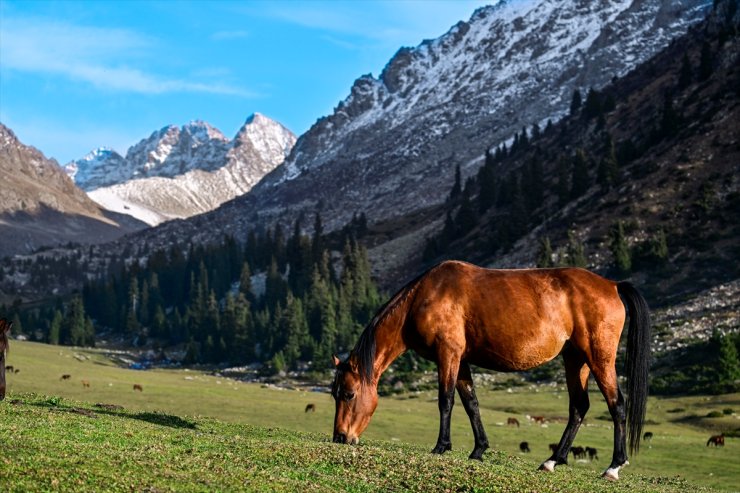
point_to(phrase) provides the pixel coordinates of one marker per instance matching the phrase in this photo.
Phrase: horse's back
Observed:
(510, 319)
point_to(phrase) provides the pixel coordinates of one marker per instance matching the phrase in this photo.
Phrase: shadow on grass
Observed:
(157, 418)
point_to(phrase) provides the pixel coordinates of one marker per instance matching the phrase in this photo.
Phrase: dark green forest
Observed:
(203, 297)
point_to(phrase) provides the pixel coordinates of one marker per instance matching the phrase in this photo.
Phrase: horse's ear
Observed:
(352, 360)
(336, 360)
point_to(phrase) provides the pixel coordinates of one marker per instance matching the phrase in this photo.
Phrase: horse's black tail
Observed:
(638, 361)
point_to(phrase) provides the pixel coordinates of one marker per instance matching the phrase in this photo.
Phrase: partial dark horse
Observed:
(457, 314)
(5, 327)
(716, 440)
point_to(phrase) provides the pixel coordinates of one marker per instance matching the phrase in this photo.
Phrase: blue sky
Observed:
(79, 75)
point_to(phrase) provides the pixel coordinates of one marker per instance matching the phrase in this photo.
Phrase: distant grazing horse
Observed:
(457, 315)
(593, 454)
(310, 407)
(138, 387)
(9, 368)
(578, 452)
(86, 384)
(512, 422)
(647, 436)
(5, 327)
(65, 377)
(538, 419)
(717, 440)
(524, 447)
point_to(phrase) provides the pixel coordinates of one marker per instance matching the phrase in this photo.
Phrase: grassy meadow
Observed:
(192, 431)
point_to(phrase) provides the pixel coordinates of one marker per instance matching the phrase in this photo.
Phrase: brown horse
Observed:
(457, 314)
(512, 422)
(310, 408)
(5, 327)
(717, 440)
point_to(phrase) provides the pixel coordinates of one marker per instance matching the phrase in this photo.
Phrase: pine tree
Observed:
(705, 62)
(619, 248)
(563, 186)
(544, 254)
(592, 108)
(727, 366)
(575, 102)
(608, 167)
(670, 120)
(580, 178)
(575, 251)
(55, 328)
(457, 186)
(686, 74)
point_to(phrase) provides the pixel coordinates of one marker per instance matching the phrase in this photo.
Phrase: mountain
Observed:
(41, 206)
(181, 172)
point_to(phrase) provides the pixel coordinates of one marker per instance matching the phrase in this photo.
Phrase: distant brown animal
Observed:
(647, 436)
(17, 370)
(593, 454)
(65, 377)
(9, 368)
(310, 407)
(5, 327)
(85, 383)
(524, 447)
(512, 422)
(717, 440)
(553, 447)
(578, 452)
(538, 419)
(138, 387)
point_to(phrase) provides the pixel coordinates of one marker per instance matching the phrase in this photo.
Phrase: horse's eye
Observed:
(349, 396)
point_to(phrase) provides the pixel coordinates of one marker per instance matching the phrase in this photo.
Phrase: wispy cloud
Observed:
(104, 58)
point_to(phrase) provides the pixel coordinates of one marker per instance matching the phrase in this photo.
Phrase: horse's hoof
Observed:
(548, 465)
(476, 456)
(611, 474)
(441, 449)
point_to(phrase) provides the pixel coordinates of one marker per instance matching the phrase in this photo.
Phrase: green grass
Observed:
(190, 431)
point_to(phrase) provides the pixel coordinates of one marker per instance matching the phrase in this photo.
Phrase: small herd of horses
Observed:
(458, 314)
(86, 383)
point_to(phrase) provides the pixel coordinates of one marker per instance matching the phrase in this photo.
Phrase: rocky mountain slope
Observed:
(41, 206)
(181, 172)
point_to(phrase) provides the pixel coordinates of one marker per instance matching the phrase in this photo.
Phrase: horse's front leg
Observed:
(447, 374)
(470, 402)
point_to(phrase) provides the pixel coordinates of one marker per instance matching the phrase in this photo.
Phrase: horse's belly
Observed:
(515, 353)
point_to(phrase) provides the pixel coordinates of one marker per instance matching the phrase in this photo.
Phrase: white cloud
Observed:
(104, 58)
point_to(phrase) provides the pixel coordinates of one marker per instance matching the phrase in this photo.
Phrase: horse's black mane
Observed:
(364, 350)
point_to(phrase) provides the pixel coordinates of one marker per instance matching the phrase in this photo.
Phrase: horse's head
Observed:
(4, 331)
(356, 400)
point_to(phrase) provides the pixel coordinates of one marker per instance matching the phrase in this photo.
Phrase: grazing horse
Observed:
(138, 387)
(647, 436)
(310, 407)
(86, 384)
(540, 420)
(524, 447)
(5, 327)
(65, 377)
(593, 454)
(717, 440)
(578, 452)
(9, 368)
(457, 314)
(512, 422)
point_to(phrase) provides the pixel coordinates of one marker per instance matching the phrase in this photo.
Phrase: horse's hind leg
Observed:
(576, 375)
(606, 378)
(470, 402)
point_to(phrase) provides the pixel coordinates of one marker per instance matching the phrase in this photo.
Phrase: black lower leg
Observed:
(470, 402)
(617, 411)
(446, 401)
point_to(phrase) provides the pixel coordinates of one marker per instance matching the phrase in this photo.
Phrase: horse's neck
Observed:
(389, 343)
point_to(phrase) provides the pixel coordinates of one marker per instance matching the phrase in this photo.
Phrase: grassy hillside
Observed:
(191, 431)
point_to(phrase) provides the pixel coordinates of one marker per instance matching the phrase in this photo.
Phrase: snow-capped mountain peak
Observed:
(181, 171)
